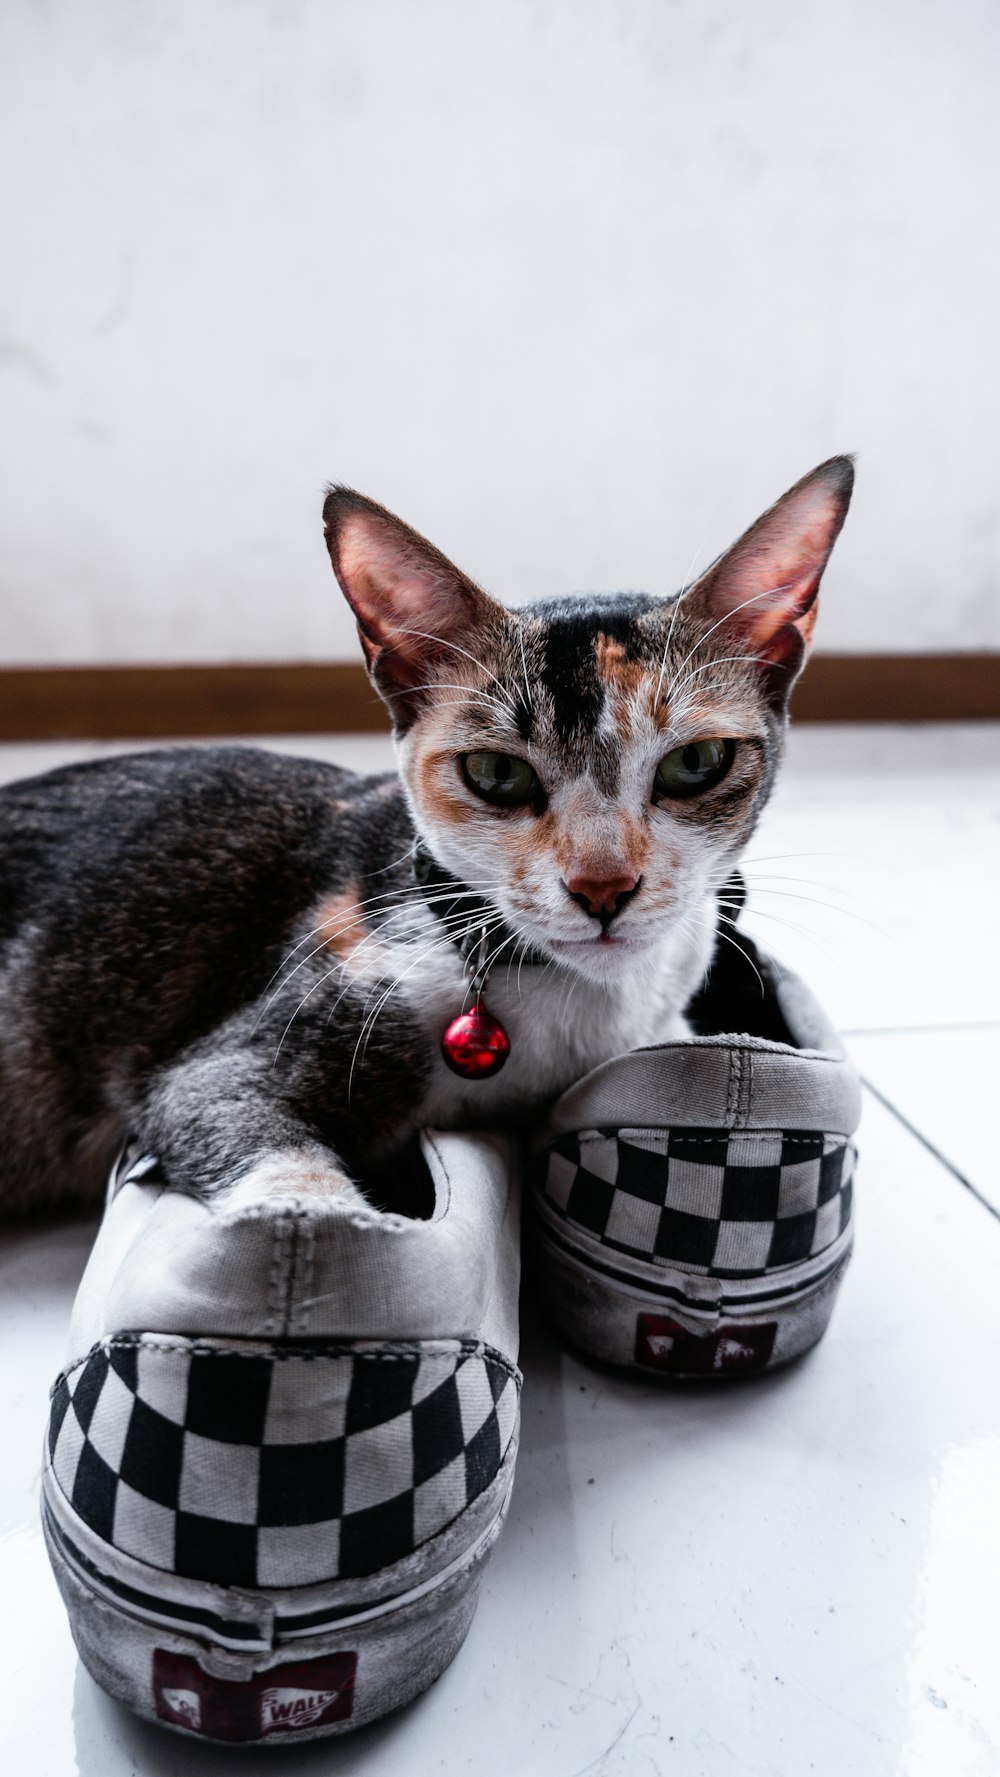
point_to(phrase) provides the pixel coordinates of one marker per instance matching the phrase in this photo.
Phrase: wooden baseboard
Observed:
(899, 688)
(155, 702)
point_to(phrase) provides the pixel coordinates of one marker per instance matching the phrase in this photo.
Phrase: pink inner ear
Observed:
(386, 593)
(405, 596)
(783, 597)
(768, 582)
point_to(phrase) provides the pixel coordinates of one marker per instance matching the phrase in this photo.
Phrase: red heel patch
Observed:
(664, 1344)
(301, 1694)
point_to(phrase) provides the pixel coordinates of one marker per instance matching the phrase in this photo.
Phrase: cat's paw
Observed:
(292, 1172)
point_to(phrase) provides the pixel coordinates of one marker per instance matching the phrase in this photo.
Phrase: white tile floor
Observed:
(794, 1575)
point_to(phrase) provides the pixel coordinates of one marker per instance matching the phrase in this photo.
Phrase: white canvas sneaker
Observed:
(282, 1448)
(690, 1211)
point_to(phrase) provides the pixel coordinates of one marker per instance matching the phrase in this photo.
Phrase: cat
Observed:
(244, 963)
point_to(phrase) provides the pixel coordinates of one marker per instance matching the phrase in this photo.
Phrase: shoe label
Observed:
(301, 1694)
(664, 1344)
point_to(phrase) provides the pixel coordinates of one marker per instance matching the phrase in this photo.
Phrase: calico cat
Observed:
(246, 962)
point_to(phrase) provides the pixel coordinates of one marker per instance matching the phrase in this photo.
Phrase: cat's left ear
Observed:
(759, 599)
(414, 608)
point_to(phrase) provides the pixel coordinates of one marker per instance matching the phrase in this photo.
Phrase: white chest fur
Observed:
(560, 1024)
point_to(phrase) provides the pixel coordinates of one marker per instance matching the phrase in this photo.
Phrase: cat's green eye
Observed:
(689, 770)
(500, 778)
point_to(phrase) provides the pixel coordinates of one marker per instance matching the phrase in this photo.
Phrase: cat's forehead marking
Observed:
(570, 676)
(594, 661)
(612, 658)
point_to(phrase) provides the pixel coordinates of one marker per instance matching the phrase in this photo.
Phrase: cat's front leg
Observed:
(219, 1126)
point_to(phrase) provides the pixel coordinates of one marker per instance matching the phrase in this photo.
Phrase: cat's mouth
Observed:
(618, 939)
(606, 956)
(604, 942)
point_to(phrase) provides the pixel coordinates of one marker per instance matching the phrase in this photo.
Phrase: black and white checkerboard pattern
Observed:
(725, 1203)
(250, 1467)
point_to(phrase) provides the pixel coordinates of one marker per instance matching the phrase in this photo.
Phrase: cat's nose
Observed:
(604, 899)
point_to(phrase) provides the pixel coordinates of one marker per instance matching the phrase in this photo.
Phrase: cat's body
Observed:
(228, 956)
(162, 975)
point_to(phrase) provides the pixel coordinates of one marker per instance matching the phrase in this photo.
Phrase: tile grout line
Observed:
(903, 1030)
(931, 1149)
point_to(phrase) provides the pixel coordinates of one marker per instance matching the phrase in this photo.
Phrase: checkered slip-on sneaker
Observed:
(282, 1450)
(689, 1211)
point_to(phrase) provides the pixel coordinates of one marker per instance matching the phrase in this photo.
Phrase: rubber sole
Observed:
(267, 1667)
(681, 1326)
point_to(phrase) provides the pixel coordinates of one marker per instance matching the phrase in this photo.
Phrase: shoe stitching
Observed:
(707, 1140)
(301, 1283)
(272, 1311)
(746, 1088)
(403, 1353)
(732, 1086)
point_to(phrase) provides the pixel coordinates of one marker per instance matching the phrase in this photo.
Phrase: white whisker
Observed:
(524, 664)
(443, 643)
(370, 1021)
(710, 666)
(725, 920)
(360, 911)
(686, 586)
(768, 592)
(758, 888)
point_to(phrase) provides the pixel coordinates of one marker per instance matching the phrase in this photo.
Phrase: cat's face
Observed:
(592, 766)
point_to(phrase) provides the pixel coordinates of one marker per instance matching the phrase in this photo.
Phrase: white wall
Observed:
(576, 286)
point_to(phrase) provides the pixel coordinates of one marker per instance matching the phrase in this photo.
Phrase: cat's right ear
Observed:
(412, 605)
(760, 597)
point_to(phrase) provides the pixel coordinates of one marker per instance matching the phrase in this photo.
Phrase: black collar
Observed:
(463, 913)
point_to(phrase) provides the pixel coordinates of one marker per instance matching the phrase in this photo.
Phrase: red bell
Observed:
(475, 1045)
